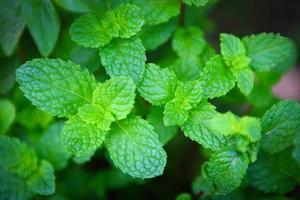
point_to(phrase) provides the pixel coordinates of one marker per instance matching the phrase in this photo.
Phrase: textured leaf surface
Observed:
(43, 22)
(158, 84)
(7, 115)
(42, 181)
(216, 78)
(124, 57)
(274, 173)
(56, 86)
(158, 11)
(188, 42)
(245, 80)
(187, 69)
(198, 128)
(155, 118)
(280, 125)
(17, 157)
(12, 25)
(81, 138)
(196, 2)
(135, 149)
(88, 31)
(267, 50)
(226, 170)
(51, 148)
(176, 112)
(233, 50)
(116, 95)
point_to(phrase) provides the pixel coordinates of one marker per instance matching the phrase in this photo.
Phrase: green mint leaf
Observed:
(187, 69)
(12, 25)
(158, 85)
(116, 96)
(280, 125)
(81, 6)
(154, 36)
(127, 19)
(267, 50)
(56, 86)
(13, 186)
(92, 31)
(251, 127)
(188, 42)
(274, 173)
(196, 2)
(176, 112)
(96, 115)
(42, 181)
(187, 96)
(81, 138)
(216, 78)
(7, 115)
(51, 138)
(88, 31)
(43, 22)
(17, 157)
(233, 51)
(226, 170)
(198, 128)
(245, 80)
(157, 11)
(124, 57)
(155, 118)
(135, 149)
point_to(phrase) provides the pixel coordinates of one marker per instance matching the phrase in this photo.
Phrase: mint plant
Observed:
(135, 104)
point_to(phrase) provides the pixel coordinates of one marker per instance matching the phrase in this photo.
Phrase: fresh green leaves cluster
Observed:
(91, 108)
(22, 174)
(98, 113)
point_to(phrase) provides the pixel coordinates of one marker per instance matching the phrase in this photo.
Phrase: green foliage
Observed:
(140, 75)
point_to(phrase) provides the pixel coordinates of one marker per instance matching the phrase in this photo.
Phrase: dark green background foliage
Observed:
(149, 99)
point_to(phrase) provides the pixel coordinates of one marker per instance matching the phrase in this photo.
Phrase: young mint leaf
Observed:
(226, 170)
(158, 85)
(154, 36)
(7, 115)
(12, 25)
(188, 42)
(245, 80)
(116, 96)
(124, 57)
(157, 11)
(267, 50)
(51, 138)
(17, 157)
(56, 86)
(88, 31)
(280, 125)
(251, 127)
(274, 173)
(155, 118)
(127, 18)
(198, 128)
(196, 2)
(233, 51)
(216, 78)
(135, 149)
(176, 112)
(92, 31)
(42, 181)
(96, 115)
(187, 96)
(81, 138)
(43, 22)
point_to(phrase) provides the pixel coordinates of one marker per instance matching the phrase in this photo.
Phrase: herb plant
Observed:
(144, 102)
